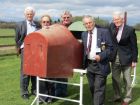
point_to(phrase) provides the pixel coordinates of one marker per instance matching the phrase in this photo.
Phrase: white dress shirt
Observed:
(92, 52)
(30, 28)
(119, 35)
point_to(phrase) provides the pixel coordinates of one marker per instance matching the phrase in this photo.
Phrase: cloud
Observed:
(101, 8)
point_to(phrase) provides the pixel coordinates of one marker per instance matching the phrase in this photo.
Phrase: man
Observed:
(123, 57)
(61, 89)
(97, 48)
(44, 86)
(22, 29)
(66, 18)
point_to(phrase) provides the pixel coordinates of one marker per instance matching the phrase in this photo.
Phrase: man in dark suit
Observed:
(61, 89)
(124, 56)
(22, 29)
(97, 48)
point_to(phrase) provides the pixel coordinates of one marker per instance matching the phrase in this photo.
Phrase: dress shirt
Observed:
(120, 32)
(92, 52)
(30, 28)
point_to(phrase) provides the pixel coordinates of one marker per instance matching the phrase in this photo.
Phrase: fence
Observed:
(7, 49)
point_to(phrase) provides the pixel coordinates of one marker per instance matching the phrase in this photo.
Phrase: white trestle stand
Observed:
(80, 101)
(133, 77)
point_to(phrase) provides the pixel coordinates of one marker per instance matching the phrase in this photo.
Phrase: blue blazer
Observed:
(127, 47)
(103, 35)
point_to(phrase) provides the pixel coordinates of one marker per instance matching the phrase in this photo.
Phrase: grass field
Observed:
(7, 32)
(10, 90)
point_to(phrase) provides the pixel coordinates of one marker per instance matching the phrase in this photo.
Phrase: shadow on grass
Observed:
(109, 95)
(136, 94)
(74, 94)
(87, 99)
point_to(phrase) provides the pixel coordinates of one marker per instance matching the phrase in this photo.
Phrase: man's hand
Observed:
(97, 58)
(133, 64)
(18, 51)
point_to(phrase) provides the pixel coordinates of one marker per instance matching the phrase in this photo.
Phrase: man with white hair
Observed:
(22, 29)
(66, 18)
(97, 48)
(61, 89)
(124, 56)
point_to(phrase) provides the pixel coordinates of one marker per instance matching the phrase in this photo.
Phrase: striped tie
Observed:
(89, 43)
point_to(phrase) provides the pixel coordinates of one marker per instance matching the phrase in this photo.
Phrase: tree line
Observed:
(99, 21)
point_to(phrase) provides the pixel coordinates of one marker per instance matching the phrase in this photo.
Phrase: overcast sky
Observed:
(102, 8)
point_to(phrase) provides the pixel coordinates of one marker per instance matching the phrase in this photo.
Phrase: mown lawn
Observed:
(7, 32)
(10, 89)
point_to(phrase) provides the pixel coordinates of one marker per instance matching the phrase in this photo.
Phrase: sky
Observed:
(14, 9)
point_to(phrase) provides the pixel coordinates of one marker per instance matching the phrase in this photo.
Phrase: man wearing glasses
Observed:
(61, 89)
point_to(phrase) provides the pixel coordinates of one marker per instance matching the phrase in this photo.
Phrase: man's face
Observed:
(89, 24)
(66, 19)
(29, 15)
(45, 22)
(118, 21)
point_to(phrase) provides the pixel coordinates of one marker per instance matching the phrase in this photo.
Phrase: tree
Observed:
(137, 26)
(100, 22)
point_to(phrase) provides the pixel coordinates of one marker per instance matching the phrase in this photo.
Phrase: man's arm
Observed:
(17, 38)
(108, 46)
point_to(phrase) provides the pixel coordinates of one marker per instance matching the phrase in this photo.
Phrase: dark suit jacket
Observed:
(127, 46)
(103, 35)
(21, 31)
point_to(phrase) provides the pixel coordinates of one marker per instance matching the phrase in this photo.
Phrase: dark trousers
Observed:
(46, 88)
(97, 84)
(24, 79)
(61, 89)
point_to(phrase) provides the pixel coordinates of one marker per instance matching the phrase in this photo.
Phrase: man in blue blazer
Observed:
(124, 56)
(61, 89)
(97, 49)
(22, 29)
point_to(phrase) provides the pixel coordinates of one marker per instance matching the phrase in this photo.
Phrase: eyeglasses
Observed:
(45, 21)
(88, 23)
(66, 17)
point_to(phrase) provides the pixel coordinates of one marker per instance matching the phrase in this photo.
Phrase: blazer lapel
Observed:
(114, 36)
(123, 32)
(25, 27)
(86, 37)
(99, 37)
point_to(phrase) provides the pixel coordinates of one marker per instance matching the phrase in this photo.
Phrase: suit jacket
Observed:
(103, 35)
(21, 32)
(127, 46)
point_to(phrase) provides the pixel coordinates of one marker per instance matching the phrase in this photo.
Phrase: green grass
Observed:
(7, 32)
(10, 91)
(10, 88)
(7, 41)
(138, 36)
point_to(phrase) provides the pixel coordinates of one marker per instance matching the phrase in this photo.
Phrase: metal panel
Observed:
(52, 52)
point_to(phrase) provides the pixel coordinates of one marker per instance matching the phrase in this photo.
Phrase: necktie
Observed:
(32, 24)
(89, 43)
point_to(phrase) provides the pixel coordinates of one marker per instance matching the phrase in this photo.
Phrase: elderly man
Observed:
(61, 89)
(124, 56)
(97, 48)
(66, 18)
(22, 30)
